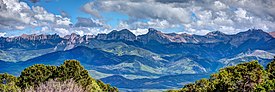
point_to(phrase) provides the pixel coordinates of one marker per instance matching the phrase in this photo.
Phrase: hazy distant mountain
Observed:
(130, 58)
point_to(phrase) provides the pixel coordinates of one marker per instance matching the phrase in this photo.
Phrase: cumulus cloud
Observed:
(261, 8)
(42, 14)
(145, 10)
(172, 1)
(62, 31)
(88, 9)
(153, 23)
(191, 16)
(2, 34)
(88, 22)
(196, 17)
(139, 31)
(218, 5)
(61, 21)
(16, 15)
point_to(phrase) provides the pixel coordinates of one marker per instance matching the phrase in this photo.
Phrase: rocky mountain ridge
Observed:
(143, 58)
(152, 35)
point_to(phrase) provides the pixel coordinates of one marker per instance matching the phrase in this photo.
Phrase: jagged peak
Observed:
(123, 31)
(258, 32)
(71, 36)
(255, 30)
(123, 34)
(35, 36)
(185, 34)
(152, 30)
(252, 31)
(215, 33)
(113, 31)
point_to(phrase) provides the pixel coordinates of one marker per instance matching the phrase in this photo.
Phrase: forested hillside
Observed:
(68, 77)
(245, 77)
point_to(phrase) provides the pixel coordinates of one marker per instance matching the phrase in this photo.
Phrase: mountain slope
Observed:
(272, 34)
(152, 55)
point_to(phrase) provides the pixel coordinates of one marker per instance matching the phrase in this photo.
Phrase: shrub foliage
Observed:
(37, 75)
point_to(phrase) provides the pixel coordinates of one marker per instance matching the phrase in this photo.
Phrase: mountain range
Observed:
(154, 60)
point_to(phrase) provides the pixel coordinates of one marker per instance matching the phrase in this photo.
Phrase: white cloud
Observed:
(139, 31)
(123, 25)
(228, 29)
(2, 34)
(90, 22)
(146, 10)
(88, 9)
(223, 21)
(19, 27)
(162, 24)
(13, 13)
(90, 30)
(197, 32)
(45, 29)
(80, 32)
(62, 21)
(241, 13)
(42, 14)
(17, 15)
(62, 31)
(196, 17)
(219, 5)
(228, 16)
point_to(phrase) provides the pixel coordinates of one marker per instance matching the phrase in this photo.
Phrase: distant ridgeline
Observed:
(245, 77)
(134, 62)
(71, 76)
(68, 77)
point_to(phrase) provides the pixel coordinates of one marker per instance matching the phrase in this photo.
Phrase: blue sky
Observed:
(102, 16)
(71, 7)
(74, 10)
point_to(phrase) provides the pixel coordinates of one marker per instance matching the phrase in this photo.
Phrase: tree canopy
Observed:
(245, 77)
(34, 76)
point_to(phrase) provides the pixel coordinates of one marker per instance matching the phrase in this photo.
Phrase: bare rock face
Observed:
(251, 34)
(73, 38)
(272, 34)
(71, 41)
(33, 37)
(215, 33)
(30, 41)
(151, 55)
(153, 35)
